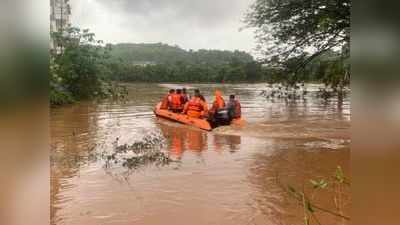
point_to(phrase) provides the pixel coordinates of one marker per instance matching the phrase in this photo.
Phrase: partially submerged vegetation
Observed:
(78, 69)
(147, 151)
(300, 92)
(293, 34)
(308, 40)
(307, 196)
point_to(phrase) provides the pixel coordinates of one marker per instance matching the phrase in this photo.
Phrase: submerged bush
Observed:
(148, 151)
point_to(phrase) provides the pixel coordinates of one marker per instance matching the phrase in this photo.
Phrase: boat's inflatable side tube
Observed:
(182, 118)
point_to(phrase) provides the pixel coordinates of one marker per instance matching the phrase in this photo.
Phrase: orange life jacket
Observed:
(176, 101)
(165, 102)
(238, 110)
(219, 102)
(196, 107)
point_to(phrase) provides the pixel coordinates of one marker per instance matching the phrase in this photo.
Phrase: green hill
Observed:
(159, 53)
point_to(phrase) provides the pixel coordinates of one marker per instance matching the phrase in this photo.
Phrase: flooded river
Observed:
(224, 177)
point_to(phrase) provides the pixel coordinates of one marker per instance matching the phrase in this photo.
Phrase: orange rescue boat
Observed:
(182, 118)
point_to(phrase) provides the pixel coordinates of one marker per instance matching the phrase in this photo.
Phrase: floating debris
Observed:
(148, 151)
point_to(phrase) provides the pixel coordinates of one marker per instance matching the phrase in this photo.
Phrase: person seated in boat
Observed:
(183, 99)
(176, 101)
(202, 98)
(234, 108)
(185, 96)
(196, 107)
(219, 114)
(166, 100)
(219, 103)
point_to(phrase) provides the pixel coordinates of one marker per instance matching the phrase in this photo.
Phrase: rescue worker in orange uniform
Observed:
(219, 114)
(196, 107)
(165, 101)
(234, 108)
(219, 103)
(185, 96)
(176, 102)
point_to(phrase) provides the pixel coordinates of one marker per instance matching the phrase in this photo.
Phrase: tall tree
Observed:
(306, 28)
(82, 70)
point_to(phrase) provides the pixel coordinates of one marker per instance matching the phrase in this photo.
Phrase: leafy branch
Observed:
(335, 183)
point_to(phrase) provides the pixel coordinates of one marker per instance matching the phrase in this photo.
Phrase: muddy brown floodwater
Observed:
(224, 177)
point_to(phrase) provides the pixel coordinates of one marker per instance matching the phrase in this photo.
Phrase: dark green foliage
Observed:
(80, 70)
(183, 72)
(59, 97)
(288, 29)
(165, 63)
(330, 68)
(159, 53)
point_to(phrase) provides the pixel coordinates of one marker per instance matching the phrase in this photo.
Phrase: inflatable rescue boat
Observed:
(203, 124)
(182, 118)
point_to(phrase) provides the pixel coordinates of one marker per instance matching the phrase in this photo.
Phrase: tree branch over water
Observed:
(300, 29)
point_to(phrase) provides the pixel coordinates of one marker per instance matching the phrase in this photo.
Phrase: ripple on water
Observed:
(227, 176)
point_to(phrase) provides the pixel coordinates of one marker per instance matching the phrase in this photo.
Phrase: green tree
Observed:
(253, 71)
(289, 28)
(81, 70)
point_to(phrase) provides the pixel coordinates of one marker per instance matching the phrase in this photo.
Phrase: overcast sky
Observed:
(191, 24)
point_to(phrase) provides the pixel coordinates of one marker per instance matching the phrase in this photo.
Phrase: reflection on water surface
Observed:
(227, 176)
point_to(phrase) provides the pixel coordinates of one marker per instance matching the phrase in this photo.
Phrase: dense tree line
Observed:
(183, 72)
(85, 68)
(159, 53)
(164, 63)
(186, 72)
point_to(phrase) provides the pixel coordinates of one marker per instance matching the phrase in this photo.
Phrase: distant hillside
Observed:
(159, 53)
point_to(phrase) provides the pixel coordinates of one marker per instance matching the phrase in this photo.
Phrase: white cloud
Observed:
(191, 24)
